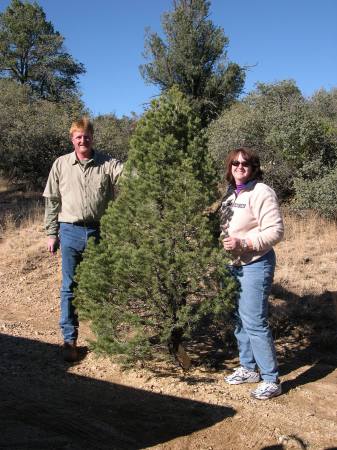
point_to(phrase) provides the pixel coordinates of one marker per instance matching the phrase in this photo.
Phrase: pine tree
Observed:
(32, 53)
(193, 56)
(157, 270)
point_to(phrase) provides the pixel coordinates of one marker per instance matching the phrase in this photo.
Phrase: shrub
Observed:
(318, 194)
(112, 135)
(32, 133)
(282, 126)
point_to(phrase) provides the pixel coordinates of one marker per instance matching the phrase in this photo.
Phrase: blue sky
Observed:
(277, 39)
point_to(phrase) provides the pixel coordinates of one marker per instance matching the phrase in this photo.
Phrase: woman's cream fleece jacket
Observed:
(252, 214)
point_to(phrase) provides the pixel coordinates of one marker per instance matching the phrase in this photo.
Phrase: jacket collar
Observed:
(248, 187)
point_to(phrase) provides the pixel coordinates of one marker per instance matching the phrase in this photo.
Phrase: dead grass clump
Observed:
(10, 223)
(307, 256)
(20, 215)
(3, 184)
(304, 294)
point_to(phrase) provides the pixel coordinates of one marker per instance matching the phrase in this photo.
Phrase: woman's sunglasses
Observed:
(243, 163)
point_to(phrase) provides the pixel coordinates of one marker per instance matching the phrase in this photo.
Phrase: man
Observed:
(79, 188)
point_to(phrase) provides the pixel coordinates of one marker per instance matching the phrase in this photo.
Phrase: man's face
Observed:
(82, 142)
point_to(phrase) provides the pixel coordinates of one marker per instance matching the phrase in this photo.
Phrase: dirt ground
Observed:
(48, 404)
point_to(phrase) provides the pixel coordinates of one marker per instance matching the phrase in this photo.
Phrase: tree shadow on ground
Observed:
(45, 407)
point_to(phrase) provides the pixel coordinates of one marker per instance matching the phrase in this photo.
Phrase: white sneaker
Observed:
(266, 390)
(243, 375)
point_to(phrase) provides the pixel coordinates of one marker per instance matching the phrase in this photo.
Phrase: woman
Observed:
(251, 224)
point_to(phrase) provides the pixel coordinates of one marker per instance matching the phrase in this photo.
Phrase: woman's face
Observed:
(241, 170)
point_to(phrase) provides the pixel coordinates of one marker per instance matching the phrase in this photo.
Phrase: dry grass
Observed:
(304, 300)
(19, 210)
(306, 258)
(26, 219)
(4, 184)
(23, 247)
(22, 238)
(11, 225)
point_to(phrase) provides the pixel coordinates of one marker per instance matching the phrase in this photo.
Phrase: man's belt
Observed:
(86, 224)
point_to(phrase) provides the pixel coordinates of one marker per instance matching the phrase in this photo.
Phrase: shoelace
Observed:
(266, 387)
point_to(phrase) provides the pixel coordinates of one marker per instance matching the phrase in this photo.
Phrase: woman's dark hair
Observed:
(249, 155)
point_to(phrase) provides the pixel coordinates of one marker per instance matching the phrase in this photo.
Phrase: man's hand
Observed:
(52, 244)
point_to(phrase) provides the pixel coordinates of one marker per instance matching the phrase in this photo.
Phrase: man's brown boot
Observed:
(70, 351)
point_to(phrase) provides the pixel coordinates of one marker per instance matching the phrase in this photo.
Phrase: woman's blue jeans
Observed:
(255, 341)
(73, 240)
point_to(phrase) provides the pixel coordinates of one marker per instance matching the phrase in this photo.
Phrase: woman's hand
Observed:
(231, 243)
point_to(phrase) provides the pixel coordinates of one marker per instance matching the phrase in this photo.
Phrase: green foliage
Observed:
(319, 193)
(324, 105)
(157, 270)
(32, 53)
(112, 135)
(32, 133)
(194, 58)
(281, 125)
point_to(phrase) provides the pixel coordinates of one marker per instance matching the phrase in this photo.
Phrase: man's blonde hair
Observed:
(82, 124)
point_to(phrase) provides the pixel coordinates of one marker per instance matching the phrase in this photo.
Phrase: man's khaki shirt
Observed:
(80, 193)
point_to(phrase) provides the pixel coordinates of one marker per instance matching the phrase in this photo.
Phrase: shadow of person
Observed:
(315, 372)
(273, 447)
(315, 319)
(44, 407)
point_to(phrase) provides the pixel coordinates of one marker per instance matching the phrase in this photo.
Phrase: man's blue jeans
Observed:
(255, 341)
(73, 239)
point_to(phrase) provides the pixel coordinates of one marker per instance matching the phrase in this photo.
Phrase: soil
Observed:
(94, 404)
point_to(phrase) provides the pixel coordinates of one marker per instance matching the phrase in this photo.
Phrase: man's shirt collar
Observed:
(74, 160)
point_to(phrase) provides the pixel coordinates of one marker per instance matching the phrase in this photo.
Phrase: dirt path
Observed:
(47, 404)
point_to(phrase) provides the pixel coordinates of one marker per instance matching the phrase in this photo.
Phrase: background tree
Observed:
(316, 182)
(318, 193)
(323, 104)
(112, 135)
(194, 58)
(32, 133)
(32, 53)
(157, 269)
(281, 124)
